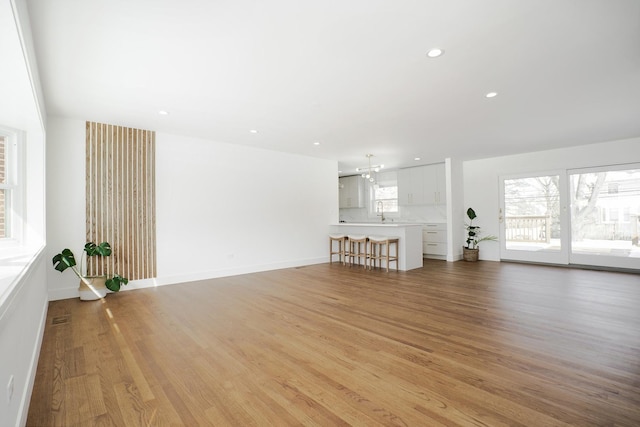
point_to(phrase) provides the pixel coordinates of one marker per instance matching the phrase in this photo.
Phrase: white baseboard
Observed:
(67, 293)
(214, 274)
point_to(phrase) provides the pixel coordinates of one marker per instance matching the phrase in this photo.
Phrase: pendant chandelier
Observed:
(368, 172)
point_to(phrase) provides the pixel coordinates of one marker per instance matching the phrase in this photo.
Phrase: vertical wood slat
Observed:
(120, 198)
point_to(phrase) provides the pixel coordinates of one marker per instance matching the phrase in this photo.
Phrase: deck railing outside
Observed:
(529, 228)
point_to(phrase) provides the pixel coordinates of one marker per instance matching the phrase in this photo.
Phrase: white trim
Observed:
(605, 168)
(67, 293)
(23, 27)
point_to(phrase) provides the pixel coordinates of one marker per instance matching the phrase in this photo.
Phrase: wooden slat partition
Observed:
(120, 194)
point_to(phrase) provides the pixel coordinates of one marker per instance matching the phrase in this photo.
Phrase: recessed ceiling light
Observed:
(491, 95)
(416, 158)
(435, 52)
(253, 131)
(163, 112)
(316, 143)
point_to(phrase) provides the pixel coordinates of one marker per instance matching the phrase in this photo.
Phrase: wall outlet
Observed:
(10, 389)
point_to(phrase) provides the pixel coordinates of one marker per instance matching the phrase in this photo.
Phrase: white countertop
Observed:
(376, 224)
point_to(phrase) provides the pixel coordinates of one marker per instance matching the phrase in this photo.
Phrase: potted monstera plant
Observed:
(91, 287)
(471, 251)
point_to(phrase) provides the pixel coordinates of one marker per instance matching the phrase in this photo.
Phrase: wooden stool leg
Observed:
(375, 254)
(396, 243)
(387, 246)
(331, 245)
(352, 250)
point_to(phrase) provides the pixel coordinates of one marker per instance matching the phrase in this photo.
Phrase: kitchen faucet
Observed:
(380, 210)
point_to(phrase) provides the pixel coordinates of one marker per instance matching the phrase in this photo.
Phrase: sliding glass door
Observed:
(581, 216)
(605, 207)
(533, 219)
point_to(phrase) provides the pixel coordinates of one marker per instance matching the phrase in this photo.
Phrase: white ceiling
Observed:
(352, 75)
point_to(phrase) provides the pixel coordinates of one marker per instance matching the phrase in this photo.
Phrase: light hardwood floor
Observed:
(471, 344)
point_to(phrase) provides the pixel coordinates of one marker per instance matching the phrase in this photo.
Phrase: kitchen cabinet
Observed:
(411, 184)
(422, 185)
(434, 240)
(435, 184)
(351, 192)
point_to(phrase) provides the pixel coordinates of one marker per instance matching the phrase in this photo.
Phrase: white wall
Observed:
(65, 199)
(455, 208)
(226, 209)
(221, 209)
(22, 318)
(481, 177)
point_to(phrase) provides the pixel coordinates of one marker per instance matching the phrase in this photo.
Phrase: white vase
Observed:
(92, 288)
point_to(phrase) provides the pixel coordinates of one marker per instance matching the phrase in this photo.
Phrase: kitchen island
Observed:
(409, 246)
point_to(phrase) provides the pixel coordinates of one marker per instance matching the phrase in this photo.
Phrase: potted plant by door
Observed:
(91, 287)
(471, 251)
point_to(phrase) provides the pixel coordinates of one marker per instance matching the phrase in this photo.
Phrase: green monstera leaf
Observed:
(64, 260)
(103, 249)
(116, 282)
(471, 214)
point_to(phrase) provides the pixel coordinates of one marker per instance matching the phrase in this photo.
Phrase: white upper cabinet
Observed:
(411, 186)
(351, 190)
(436, 187)
(422, 185)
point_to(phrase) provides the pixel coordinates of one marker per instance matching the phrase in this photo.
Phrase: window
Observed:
(4, 188)
(8, 186)
(387, 197)
(605, 206)
(532, 214)
(384, 194)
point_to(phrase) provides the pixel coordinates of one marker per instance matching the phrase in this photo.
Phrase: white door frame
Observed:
(601, 260)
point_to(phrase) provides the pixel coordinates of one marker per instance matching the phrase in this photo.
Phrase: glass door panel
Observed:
(605, 210)
(532, 218)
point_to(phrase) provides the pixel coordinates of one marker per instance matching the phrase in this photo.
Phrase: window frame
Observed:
(13, 187)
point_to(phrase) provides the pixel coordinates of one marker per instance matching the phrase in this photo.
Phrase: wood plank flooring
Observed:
(452, 344)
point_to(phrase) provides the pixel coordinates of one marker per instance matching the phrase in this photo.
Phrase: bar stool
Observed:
(342, 246)
(357, 248)
(380, 249)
